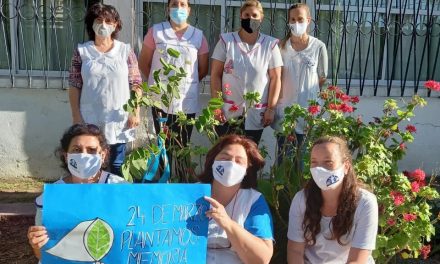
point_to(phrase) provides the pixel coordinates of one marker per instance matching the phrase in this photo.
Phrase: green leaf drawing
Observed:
(98, 239)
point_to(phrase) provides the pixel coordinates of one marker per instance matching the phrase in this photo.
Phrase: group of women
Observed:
(332, 220)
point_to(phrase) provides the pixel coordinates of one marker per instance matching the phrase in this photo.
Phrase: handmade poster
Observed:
(125, 223)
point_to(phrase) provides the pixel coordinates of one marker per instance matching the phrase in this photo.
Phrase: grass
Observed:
(19, 190)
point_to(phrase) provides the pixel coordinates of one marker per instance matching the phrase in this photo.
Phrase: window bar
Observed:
(344, 43)
(425, 50)
(379, 34)
(437, 53)
(330, 40)
(403, 77)
(272, 18)
(55, 32)
(356, 43)
(371, 39)
(25, 52)
(387, 37)
(8, 55)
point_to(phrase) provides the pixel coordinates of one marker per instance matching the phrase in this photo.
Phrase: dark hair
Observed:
(107, 12)
(255, 160)
(294, 6)
(80, 130)
(347, 202)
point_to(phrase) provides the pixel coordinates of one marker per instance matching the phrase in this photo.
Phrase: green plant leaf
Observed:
(173, 53)
(99, 239)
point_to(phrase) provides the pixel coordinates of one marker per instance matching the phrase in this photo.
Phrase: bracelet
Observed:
(270, 109)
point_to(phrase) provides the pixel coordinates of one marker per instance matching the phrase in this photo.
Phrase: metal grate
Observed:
(377, 47)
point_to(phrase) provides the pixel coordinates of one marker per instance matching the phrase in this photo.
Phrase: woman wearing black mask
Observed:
(246, 61)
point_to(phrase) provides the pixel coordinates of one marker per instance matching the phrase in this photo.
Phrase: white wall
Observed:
(33, 120)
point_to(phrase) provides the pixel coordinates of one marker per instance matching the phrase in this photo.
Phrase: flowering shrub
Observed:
(405, 224)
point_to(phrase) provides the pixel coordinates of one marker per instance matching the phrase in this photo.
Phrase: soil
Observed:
(14, 246)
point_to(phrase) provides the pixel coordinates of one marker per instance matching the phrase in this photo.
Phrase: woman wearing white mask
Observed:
(83, 153)
(304, 72)
(103, 72)
(240, 229)
(333, 219)
(242, 62)
(178, 34)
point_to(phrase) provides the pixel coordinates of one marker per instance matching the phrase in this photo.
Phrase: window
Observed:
(371, 43)
(39, 36)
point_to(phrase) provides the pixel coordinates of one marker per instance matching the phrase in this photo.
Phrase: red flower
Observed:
(418, 175)
(314, 109)
(226, 85)
(409, 217)
(425, 250)
(233, 108)
(433, 85)
(411, 128)
(339, 94)
(227, 92)
(415, 187)
(291, 138)
(345, 98)
(347, 108)
(397, 197)
(402, 146)
(333, 106)
(354, 99)
(391, 222)
(333, 88)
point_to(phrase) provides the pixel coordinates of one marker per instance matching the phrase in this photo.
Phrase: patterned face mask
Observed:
(227, 172)
(103, 29)
(83, 165)
(298, 29)
(251, 25)
(327, 179)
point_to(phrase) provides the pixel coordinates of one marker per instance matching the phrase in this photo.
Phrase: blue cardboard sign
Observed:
(125, 223)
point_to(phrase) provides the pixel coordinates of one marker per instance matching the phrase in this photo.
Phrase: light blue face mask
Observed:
(178, 15)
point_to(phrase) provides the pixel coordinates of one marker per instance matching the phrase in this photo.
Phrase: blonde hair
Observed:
(252, 3)
(294, 6)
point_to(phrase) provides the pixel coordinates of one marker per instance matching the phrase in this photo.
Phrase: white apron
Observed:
(188, 46)
(300, 80)
(238, 209)
(246, 71)
(105, 90)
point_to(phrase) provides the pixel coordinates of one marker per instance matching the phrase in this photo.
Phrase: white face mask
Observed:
(327, 179)
(298, 29)
(227, 172)
(103, 29)
(83, 165)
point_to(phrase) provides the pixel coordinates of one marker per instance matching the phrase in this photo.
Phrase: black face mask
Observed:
(250, 25)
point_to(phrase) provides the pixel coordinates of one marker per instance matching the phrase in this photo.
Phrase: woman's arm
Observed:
(216, 84)
(295, 252)
(274, 93)
(135, 80)
(145, 59)
(322, 66)
(76, 82)
(37, 237)
(358, 256)
(203, 60)
(250, 249)
(74, 99)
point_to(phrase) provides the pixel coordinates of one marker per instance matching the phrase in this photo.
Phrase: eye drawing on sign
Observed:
(89, 241)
